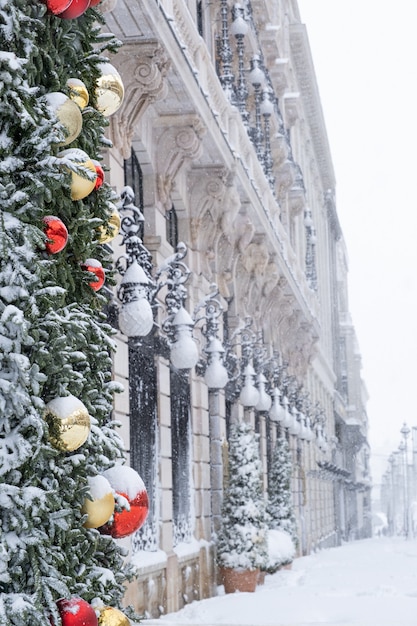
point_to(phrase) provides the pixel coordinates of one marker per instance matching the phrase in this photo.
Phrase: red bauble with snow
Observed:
(100, 174)
(76, 612)
(56, 232)
(126, 482)
(95, 267)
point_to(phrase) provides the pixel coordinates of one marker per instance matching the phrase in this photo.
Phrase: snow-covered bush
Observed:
(281, 550)
(280, 508)
(242, 539)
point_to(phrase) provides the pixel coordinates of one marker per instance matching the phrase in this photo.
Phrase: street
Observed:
(368, 583)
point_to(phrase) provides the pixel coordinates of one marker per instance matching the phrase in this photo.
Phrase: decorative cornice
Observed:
(310, 97)
(144, 64)
(179, 142)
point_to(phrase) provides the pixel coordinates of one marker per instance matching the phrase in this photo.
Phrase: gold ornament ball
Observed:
(78, 92)
(68, 113)
(109, 90)
(68, 421)
(99, 505)
(81, 186)
(109, 232)
(110, 616)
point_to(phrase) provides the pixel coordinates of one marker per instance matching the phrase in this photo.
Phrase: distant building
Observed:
(223, 142)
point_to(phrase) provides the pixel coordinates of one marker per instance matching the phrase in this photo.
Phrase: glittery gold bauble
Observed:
(99, 505)
(109, 232)
(81, 187)
(68, 113)
(68, 421)
(109, 90)
(110, 616)
(78, 92)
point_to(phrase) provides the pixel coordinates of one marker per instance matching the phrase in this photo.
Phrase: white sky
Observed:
(366, 583)
(365, 56)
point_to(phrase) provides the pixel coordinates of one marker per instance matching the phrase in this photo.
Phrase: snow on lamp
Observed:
(249, 395)
(264, 400)
(303, 429)
(183, 349)
(294, 428)
(287, 416)
(135, 314)
(215, 376)
(276, 411)
(310, 432)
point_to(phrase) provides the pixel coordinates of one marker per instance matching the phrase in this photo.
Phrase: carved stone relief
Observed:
(145, 65)
(178, 140)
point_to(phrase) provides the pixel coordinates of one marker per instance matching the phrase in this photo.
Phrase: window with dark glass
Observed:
(172, 227)
(134, 178)
(180, 441)
(200, 23)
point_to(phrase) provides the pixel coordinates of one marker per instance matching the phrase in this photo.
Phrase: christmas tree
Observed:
(279, 508)
(57, 438)
(241, 542)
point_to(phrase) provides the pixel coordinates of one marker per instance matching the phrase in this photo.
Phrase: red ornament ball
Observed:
(95, 267)
(76, 612)
(127, 483)
(100, 174)
(57, 6)
(56, 232)
(75, 9)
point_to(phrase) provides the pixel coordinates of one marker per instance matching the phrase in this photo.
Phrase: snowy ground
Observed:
(367, 583)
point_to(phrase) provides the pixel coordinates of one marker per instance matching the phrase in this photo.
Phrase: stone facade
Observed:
(236, 164)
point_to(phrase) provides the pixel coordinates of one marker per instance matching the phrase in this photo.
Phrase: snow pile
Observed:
(281, 550)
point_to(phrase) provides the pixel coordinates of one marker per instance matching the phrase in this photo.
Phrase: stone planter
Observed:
(238, 580)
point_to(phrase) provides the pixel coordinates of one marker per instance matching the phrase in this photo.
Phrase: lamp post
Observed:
(257, 79)
(239, 29)
(136, 316)
(405, 431)
(391, 496)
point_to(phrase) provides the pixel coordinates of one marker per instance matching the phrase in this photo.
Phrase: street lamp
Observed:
(405, 431)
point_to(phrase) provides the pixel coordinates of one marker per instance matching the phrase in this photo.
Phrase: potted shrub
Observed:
(280, 509)
(241, 541)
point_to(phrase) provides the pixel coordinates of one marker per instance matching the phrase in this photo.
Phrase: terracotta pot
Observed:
(239, 580)
(261, 577)
(287, 566)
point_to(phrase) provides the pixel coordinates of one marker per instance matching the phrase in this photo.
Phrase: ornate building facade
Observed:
(229, 212)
